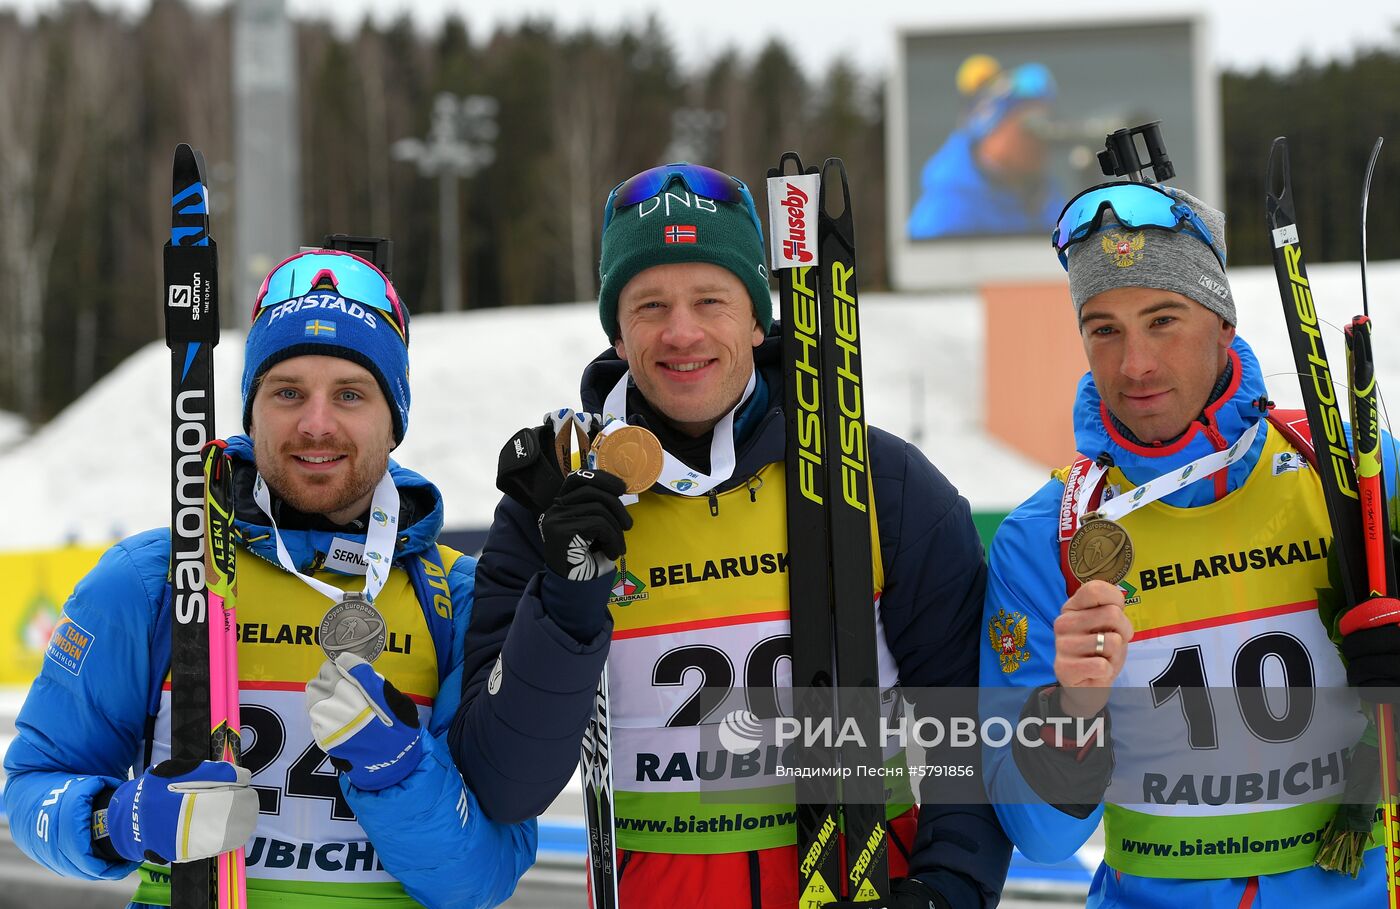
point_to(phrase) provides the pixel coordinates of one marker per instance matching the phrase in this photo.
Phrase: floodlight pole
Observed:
(460, 142)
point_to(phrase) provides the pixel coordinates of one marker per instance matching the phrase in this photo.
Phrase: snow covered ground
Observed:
(99, 469)
(13, 430)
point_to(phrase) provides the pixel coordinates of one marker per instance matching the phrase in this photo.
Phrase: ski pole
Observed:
(221, 580)
(1380, 567)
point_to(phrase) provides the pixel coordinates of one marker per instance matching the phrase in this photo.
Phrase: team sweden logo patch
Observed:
(69, 645)
(627, 588)
(1124, 250)
(1008, 632)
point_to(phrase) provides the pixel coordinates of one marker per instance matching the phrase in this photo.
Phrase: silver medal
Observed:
(353, 626)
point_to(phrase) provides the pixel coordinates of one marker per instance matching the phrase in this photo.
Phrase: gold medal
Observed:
(353, 625)
(632, 454)
(1100, 550)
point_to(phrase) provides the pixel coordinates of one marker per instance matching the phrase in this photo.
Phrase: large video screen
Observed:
(995, 129)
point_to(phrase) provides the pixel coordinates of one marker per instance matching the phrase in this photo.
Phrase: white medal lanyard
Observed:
(1121, 505)
(675, 475)
(379, 540)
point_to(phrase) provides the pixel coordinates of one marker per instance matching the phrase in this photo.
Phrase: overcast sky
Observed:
(1242, 35)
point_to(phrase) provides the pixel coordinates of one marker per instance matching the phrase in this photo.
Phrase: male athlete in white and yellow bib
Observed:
(1219, 794)
(347, 797)
(701, 598)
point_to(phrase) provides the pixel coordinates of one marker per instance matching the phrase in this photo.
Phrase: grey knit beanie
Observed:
(1177, 260)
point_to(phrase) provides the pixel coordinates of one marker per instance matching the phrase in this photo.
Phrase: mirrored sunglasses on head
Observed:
(1135, 206)
(701, 180)
(343, 273)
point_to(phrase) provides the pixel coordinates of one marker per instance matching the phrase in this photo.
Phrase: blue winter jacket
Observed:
(1026, 577)
(518, 751)
(957, 199)
(79, 734)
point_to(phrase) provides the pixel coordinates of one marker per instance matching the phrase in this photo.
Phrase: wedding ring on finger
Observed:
(1098, 644)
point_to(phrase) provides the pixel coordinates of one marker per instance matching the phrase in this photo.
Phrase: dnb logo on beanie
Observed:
(679, 225)
(334, 304)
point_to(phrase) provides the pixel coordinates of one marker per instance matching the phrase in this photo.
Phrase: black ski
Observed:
(595, 769)
(191, 331)
(1340, 489)
(1334, 466)
(849, 514)
(809, 554)
(831, 583)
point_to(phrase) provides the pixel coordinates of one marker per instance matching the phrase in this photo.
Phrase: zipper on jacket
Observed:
(753, 489)
(1222, 476)
(714, 504)
(1216, 439)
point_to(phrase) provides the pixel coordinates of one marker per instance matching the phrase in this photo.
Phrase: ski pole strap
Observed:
(675, 475)
(379, 539)
(1372, 613)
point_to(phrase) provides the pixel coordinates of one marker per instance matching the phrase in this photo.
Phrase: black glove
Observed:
(1371, 644)
(912, 893)
(527, 470)
(1075, 780)
(582, 530)
(1373, 660)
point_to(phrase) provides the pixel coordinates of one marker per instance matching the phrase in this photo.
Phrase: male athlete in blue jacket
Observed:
(347, 795)
(1218, 592)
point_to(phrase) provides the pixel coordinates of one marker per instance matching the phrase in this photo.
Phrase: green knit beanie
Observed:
(676, 225)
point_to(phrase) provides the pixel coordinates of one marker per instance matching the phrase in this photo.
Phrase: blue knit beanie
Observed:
(330, 304)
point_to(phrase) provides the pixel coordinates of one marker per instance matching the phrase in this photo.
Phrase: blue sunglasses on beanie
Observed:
(701, 180)
(334, 304)
(1135, 206)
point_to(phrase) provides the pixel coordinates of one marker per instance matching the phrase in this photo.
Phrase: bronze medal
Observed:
(353, 625)
(566, 441)
(632, 454)
(1100, 550)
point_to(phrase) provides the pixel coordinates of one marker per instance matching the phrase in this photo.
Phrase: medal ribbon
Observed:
(675, 475)
(1122, 505)
(379, 540)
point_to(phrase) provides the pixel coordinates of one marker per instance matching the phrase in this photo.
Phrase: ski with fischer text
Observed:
(831, 581)
(1344, 496)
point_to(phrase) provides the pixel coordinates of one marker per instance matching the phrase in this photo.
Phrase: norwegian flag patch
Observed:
(680, 233)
